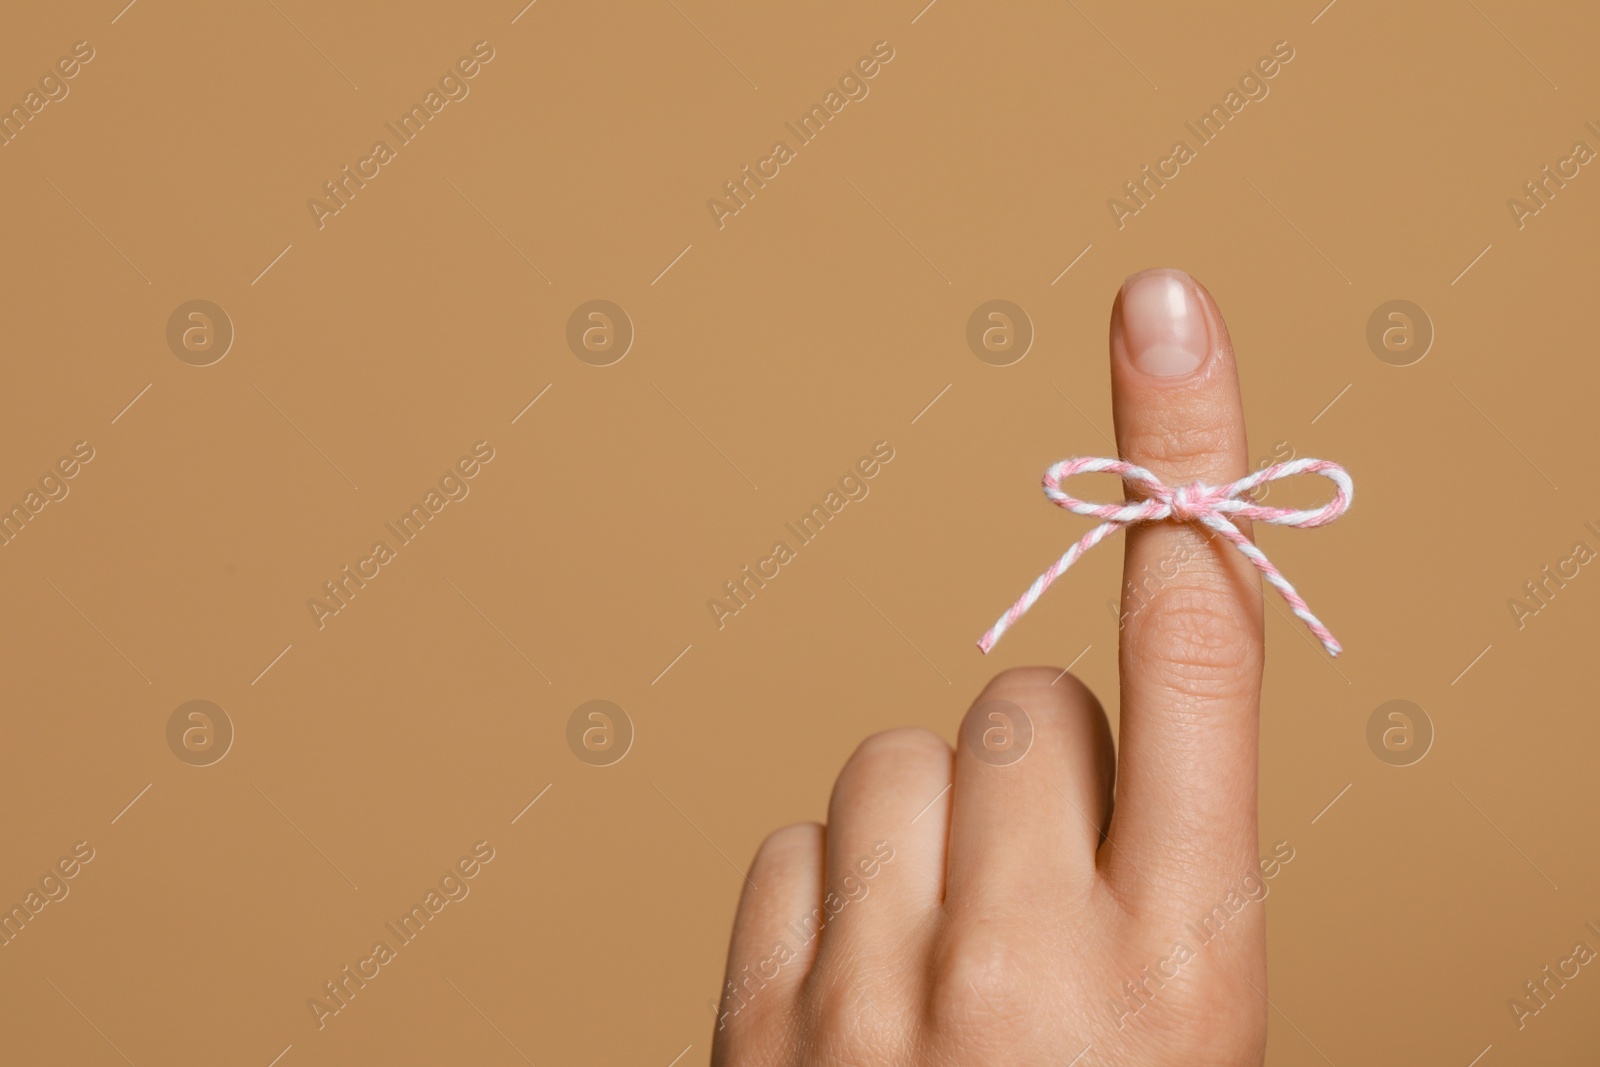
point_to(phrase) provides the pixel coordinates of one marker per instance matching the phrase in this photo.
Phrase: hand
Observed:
(1018, 919)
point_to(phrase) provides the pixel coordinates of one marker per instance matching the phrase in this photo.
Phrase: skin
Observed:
(1017, 905)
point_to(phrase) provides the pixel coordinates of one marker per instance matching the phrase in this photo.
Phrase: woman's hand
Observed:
(991, 906)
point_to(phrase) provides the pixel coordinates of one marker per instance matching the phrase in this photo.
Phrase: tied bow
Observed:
(1209, 505)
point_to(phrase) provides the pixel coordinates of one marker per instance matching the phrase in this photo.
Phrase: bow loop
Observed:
(1207, 505)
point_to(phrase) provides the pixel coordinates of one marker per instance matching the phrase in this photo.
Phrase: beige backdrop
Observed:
(365, 752)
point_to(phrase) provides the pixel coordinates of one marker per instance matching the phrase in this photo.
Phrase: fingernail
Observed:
(1164, 328)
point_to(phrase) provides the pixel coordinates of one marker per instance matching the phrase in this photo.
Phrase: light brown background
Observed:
(821, 319)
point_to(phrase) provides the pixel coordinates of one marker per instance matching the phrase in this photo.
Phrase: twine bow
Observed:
(1209, 505)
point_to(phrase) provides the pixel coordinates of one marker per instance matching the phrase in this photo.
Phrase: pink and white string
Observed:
(1209, 505)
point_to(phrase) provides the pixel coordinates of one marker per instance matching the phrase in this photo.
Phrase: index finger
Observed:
(1191, 631)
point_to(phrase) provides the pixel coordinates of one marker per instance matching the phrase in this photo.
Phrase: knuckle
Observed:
(783, 847)
(852, 1020)
(1056, 709)
(981, 983)
(904, 759)
(1214, 1019)
(1185, 447)
(1198, 643)
(1043, 692)
(1023, 678)
(789, 856)
(894, 748)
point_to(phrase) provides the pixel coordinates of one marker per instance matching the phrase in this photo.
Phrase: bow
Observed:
(1209, 505)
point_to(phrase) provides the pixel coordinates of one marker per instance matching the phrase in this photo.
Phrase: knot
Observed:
(1191, 501)
(1209, 506)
